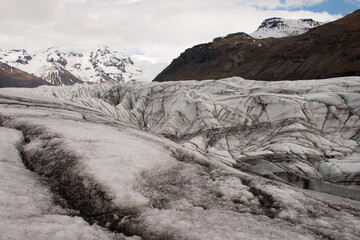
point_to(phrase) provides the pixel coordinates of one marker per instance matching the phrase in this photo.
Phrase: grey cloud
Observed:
(159, 28)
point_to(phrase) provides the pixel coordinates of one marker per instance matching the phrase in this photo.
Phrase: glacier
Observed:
(224, 159)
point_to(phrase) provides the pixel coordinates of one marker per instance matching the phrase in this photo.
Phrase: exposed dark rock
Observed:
(28, 58)
(13, 77)
(271, 22)
(330, 50)
(278, 23)
(59, 59)
(58, 75)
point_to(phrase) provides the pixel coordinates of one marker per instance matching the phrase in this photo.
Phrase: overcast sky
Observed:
(158, 30)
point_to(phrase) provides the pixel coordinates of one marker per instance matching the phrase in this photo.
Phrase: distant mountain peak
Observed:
(68, 66)
(279, 27)
(102, 48)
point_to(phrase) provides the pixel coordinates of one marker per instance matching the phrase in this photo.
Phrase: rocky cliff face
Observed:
(13, 77)
(330, 50)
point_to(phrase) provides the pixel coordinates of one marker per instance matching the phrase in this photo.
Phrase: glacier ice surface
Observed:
(186, 160)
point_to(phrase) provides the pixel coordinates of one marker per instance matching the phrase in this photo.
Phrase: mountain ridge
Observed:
(330, 50)
(61, 66)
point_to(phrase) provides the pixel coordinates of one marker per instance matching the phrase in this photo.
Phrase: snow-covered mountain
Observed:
(279, 27)
(218, 159)
(67, 67)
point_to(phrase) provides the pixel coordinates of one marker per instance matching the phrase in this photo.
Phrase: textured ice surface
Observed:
(306, 122)
(27, 210)
(191, 160)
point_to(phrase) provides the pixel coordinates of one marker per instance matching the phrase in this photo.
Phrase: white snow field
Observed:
(279, 27)
(224, 159)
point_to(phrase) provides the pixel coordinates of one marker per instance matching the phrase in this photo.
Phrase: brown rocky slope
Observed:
(330, 50)
(13, 77)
